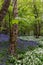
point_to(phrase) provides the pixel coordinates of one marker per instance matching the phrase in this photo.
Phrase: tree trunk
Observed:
(4, 9)
(36, 26)
(13, 39)
(37, 29)
(14, 30)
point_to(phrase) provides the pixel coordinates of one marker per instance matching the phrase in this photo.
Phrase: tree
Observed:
(37, 23)
(14, 30)
(4, 10)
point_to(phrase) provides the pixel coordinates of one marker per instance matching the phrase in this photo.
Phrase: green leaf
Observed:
(14, 21)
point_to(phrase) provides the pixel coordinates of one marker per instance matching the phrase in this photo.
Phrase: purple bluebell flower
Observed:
(4, 37)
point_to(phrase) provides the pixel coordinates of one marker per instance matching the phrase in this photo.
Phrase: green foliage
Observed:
(1, 3)
(14, 21)
(26, 15)
(10, 9)
(34, 57)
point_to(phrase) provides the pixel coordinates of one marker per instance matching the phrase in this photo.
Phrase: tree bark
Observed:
(14, 31)
(4, 9)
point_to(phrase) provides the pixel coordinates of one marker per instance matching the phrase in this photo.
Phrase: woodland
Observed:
(21, 32)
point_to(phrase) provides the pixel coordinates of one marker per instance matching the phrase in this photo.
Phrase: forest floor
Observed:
(23, 42)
